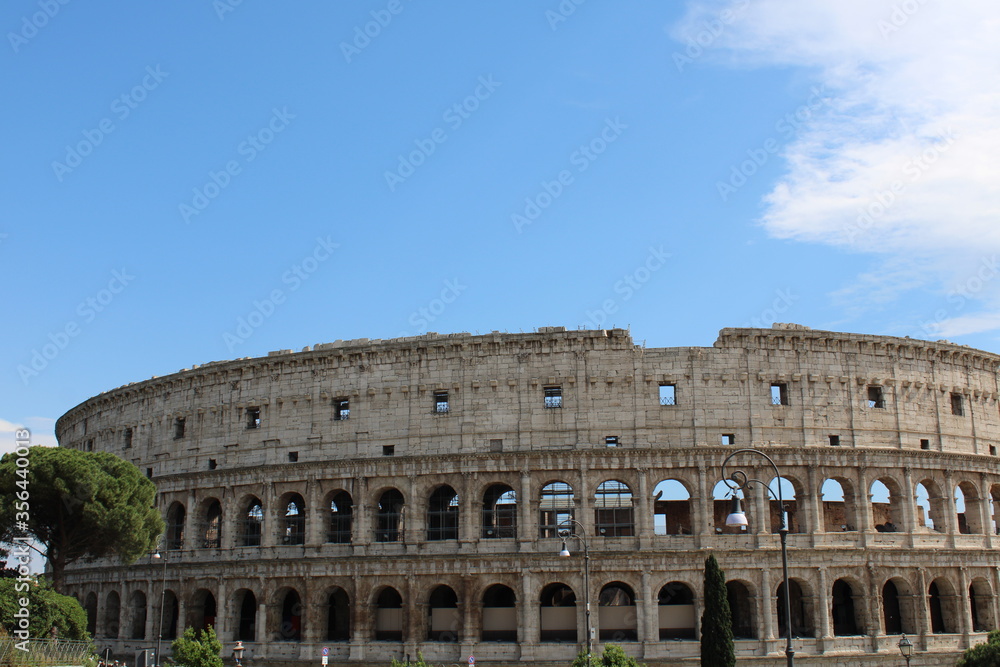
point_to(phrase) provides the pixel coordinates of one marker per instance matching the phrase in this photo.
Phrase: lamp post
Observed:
(163, 595)
(238, 653)
(564, 552)
(906, 648)
(738, 518)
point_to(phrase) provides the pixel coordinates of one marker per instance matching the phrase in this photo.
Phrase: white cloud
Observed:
(42, 431)
(902, 162)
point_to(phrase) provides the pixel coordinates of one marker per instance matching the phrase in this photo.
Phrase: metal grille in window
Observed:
(213, 527)
(175, 534)
(341, 510)
(555, 508)
(779, 394)
(341, 409)
(668, 394)
(253, 417)
(499, 512)
(440, 401)
(295, 523)
(553, 397)
(613, 510)
(389, 517)
(875, 397)
(442, 515)
(252, 525)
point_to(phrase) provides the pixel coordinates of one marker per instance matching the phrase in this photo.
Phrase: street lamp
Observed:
(906, 648)
(564, 552)
(738, 518)
(163, 595)
(238, 652)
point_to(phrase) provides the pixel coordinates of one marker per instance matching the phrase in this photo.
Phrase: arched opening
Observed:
(112, 615)
(617, 618)
(389, 615)
(290, 628)
(995, 509)
(671, 508)
(789, 495)
(499, 512)
(931, 513)
(839, 506)
(90, 606)
(202, 610)
(741, 610)
(246, 622)
(443, 622)
(499, 615)
(938, 625)
(802, 622)
(981, 603)
(293, 527)
(138, 604)
(555, 508)
(341, 518)
(613, 509)
(389, 517)
(675, 606)
(253, 521)
(442, 514)
(175, 526)
(886, 505)
(967, 504)
(338, 616)
(170, 615)
(212, 532)
(558, 613)
(722, 495)
(892, 611)
(845, 617)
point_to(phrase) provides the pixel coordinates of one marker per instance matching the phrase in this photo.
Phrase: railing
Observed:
(44, 652)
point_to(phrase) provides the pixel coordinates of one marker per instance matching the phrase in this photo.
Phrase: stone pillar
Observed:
(703, 506)
(986, 510)
(965, 606)
(232, 516)
(583, 492)
(909, 503)
(261, 635)
(923, 619)
(864, 496)
(766, 607)
(317, 517)
(644, 510)
(529, 617)
(152, 609)
(950, 508)
(415, 512)
(470, 516)
(192, 524)
(822, 608)
(649, 628)
(362, 512)
(814, 497)
(526, 528)
(269, 531)
(761, 510)
(223, 610)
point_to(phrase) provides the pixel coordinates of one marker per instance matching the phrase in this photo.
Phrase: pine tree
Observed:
(717, 648)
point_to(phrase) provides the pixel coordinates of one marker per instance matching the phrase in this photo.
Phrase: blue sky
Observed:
(189, 182)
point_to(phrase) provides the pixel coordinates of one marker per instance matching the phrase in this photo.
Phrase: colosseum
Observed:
(377, 499)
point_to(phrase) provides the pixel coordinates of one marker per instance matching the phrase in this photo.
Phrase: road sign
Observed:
(326, 650)
(472, 659)
(325, 661)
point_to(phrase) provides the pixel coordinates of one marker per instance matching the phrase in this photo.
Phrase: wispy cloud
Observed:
(903, 161)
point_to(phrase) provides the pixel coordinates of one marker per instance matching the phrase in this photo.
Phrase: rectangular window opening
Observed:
(779, 393)
(993, 450)
(553, 397)
(212, 464)
(388, 450)
(728, 439)
(128, 438)
(293, 457)
(178, 428)
(668, 394)
(835, 441)
(876, 399)
(89, 445)
(496, 445)
(149, 473)
(253, 417)
(957, 407)
(611, 441)
(341, 409)
(925, 443)
(440, 401)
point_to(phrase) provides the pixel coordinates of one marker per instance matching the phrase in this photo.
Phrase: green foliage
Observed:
(613, 656)
(80, 505)
(46, 610)
(406, 663)
(197, 649)
(983, 655)
(717, 649)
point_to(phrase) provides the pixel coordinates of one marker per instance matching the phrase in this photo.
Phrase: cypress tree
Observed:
(717, 648)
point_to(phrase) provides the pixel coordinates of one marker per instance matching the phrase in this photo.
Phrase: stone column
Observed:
(526, 528)
(950, 508)
(469, 518)
(529, 617)
(923, 619)
(362, 512)
(192, 524)
(269, 531)
(909, 503)
(761, 510)
(643, 507)
(649, 629)
(766, 606)
(415, 512)
(317, 517)
(583, 493)
(261, 635)
(814, 498)
(965, 610)
(703, 506)
(864, 495)
(822, 608)
(222, 612)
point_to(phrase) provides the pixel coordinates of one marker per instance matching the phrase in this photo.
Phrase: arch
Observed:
(558, 613)
(253, 522)
(847, 617)
(555, 507)
(499, 622)
(443, 621)
(672, 508)
(981, 605)
(338, 615)
(442, 514)
(722, 495)
(791, 490)
(616, 613)
(211, 534)
(839, 505)
(137, 602)
(967, 504)
(897, 607)
(388, 615)
(90, 606)
(293, 523)
(290, 625)
(203, 610)
(499, 512)
(995, 509)
(802, 616)
(175, 526)
(936, 609)
(170, 613)
(112, 615)
(613, 514)
(675, 607)
(886, 505)
(341, 517)
(389, 516)
(741, 608)
(930, 506)
(245, 628)
(942, 600)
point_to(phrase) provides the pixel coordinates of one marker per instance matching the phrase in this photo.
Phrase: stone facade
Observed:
(382, 498)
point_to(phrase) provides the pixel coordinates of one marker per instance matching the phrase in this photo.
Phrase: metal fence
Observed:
(45, 652)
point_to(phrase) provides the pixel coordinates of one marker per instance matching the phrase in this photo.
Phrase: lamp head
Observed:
(905, 647)
(157, 556)
(564, 552)
(238, 650)
(736, 515)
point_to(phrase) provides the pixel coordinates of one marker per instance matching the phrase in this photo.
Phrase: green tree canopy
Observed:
(197, 649)
(46, 609)
(613, 656)
(983, 655)
(717, 649)
(79, 505)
